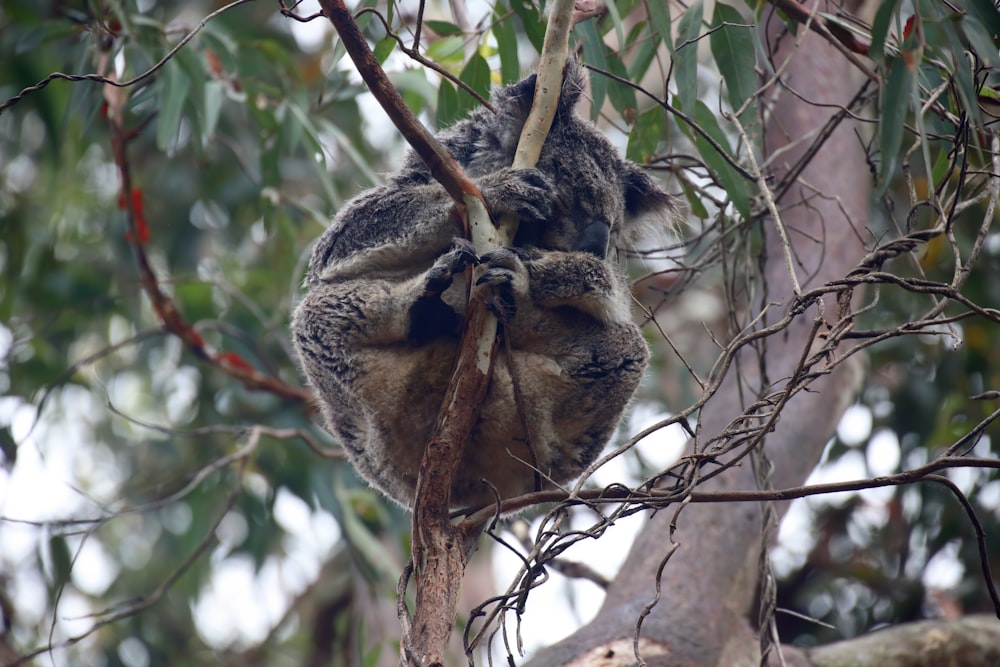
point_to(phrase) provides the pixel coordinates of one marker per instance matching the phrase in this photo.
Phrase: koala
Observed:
(377, 332)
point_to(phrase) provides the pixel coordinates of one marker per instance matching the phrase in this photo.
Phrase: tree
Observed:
(165, 169)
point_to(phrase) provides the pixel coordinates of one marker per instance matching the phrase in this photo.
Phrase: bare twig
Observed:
(165, 308)
(135, 606)
(112, 81)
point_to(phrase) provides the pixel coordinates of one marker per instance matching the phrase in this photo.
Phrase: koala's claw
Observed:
(503, 266)
(448, 265)
(510, 258)
(527, 193)
(496, 277)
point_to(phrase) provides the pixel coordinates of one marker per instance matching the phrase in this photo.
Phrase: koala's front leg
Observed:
(577, 280)
(582, 281)
(430, 316)
(506, 276)
(527, 194)
(337, 317)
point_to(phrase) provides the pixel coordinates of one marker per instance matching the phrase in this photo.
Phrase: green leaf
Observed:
(196, 299)
(942, 167)
(880, 29)
(176, 86)
(646, 48)
(695, 205)
(310, 133)
(447, 105)
(60, 560)
(443, 28)
(686, 56)
(981, 41)
(616, 21)
(732, 47)
(967, 88)
(622, 95)
(383, 48)
(214, 95)
(416, 89)
(728, 177)
(447, 49)
(896, 103)
(349, 147)
(659, 19)
(476, 74)
(985, 13)
(648, 130)
(503, 32)
(593, 52)
(534, 26)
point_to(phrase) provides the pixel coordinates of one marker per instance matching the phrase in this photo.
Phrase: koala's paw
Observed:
(506, 275)
(448, 265)
(526, 193)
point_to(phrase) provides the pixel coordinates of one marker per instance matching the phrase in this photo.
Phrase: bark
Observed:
(973, 641)
(709, 583)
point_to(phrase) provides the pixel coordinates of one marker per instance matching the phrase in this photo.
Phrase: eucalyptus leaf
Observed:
(476, 75)
(732, 46)
(686, 56)
(176, 86)
(880, 29)
(503, 32)
(593, 52)
(735, 185)
(895, 105)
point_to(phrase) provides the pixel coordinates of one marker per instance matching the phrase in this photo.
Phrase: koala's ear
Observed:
(514, 102)
(643, 196)
(573, 86)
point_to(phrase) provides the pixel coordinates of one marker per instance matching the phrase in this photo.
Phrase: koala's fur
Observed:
(377, 332)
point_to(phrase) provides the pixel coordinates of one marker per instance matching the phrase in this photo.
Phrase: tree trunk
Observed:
(709, 584)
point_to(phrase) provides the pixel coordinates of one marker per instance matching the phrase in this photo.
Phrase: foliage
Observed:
(142, 459)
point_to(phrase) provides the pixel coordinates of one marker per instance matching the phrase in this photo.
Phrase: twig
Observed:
(111, 81)
(772, 206)
(659, 498)
(113, 615)
(977, 527)
(165, 307)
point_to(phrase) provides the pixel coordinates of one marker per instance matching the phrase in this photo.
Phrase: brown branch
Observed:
(660, 498)
(442, 167)
(440, 551)
(170, 317)
(968, 642)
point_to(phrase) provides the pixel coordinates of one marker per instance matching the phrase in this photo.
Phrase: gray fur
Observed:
(377, 332)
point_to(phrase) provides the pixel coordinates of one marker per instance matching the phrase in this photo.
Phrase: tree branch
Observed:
(440, 550)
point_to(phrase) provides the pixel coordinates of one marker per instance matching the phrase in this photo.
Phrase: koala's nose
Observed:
(594, 238)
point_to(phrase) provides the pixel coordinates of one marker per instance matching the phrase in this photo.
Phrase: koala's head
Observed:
(605, 203)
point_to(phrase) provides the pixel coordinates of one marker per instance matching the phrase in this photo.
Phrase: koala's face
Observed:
(589, 210)
(600, 197)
